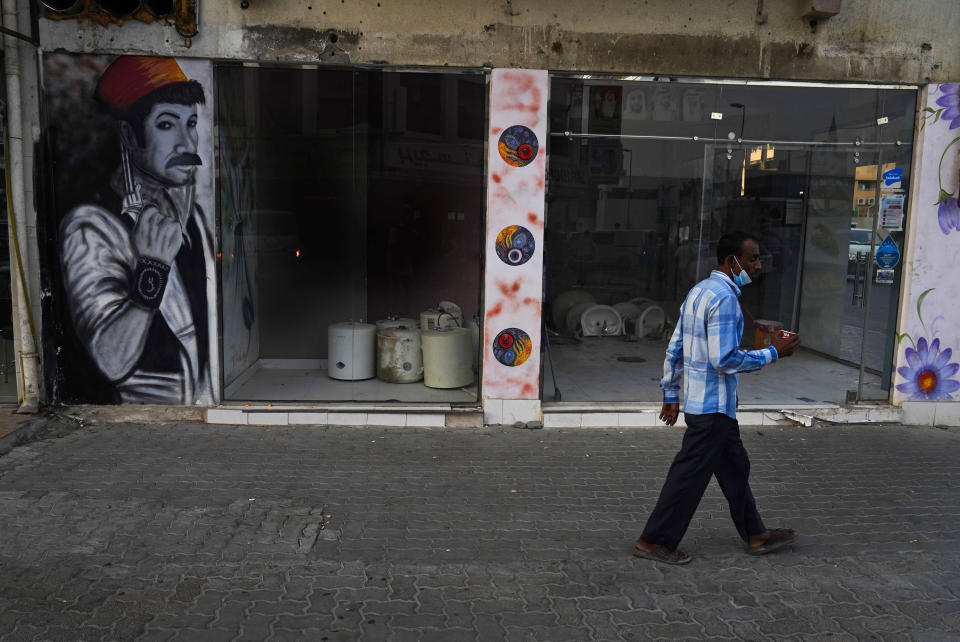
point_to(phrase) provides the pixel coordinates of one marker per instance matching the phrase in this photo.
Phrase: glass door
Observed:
(823, 213)
(836, 290)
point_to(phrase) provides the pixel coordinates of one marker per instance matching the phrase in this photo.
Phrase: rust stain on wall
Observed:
(183, 16)
(91, 12)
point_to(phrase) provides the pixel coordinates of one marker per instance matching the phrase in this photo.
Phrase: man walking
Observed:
(705, 349)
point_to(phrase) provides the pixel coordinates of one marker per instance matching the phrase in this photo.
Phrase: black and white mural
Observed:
(131, 289)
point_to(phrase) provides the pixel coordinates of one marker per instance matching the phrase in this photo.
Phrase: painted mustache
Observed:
(184, 159)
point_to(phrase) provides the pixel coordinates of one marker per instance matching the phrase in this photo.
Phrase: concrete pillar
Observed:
(513, 288)
(926, 376)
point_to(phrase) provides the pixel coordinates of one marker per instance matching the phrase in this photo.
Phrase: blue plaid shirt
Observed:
(705, 348)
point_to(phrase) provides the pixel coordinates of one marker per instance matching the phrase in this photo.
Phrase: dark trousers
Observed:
(711, 447)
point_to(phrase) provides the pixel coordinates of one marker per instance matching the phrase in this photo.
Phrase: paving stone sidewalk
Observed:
(157, 532)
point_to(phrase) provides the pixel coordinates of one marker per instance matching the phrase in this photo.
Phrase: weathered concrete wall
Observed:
(876, 40)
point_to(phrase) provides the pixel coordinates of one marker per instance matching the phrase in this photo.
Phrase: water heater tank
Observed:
(399, 359)
(396, 322)
(436, 318)
(351, 351)
(447, 361)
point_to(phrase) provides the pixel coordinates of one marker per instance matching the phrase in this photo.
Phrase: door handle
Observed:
(860, 277)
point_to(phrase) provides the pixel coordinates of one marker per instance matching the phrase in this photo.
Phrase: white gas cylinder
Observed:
(351, 351)
(399, 358)
(396, 322)
(436, 318)
(446, 358)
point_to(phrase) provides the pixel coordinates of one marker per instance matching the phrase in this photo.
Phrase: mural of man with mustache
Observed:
(138, 270)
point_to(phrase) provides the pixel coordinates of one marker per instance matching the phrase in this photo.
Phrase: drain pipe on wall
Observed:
(29, 361)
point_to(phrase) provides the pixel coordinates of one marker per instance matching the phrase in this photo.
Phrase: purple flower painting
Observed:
(948, 209)
(928, 372)
(950, 101)
(948, 215)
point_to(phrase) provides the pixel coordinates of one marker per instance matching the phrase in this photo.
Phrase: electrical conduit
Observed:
(29, 371)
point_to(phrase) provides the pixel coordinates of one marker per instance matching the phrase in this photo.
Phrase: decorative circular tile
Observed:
(518, 145)
(512, 347)
(515, 245)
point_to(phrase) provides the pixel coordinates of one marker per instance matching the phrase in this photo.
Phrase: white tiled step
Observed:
(428, 418)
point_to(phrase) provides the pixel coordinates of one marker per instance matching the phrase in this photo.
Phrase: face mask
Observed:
(743, 278)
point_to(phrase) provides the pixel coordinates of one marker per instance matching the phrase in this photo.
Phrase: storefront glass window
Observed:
(645, 176)
(349, 197)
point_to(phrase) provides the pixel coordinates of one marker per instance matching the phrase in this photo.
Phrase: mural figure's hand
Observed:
(157, 236)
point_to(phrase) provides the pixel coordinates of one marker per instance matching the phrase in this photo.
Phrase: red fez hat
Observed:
(130, 78)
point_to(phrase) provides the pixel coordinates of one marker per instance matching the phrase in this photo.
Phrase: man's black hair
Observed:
(732, 243)
(187, 93)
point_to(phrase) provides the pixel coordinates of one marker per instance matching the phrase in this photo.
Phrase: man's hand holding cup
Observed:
(785, 342)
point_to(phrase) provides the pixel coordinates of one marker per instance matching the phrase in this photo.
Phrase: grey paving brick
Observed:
(282, 607)
(747, 630)
(256, 627)
(150, 635)
(488, 627)
(528, 619)
(604, 603)
(214, 634)
(417, 621)
(297, 622)
(498, 606)
(448, 635)
(430, 600)
(459, 614)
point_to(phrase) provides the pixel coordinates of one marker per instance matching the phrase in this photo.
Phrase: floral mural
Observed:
(926, 369)
(948, 210)
(950, 104)
(928, 372)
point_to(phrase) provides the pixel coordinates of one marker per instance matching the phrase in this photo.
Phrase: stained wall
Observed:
(880, 40)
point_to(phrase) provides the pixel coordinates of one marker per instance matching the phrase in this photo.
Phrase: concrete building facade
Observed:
(676, 94)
